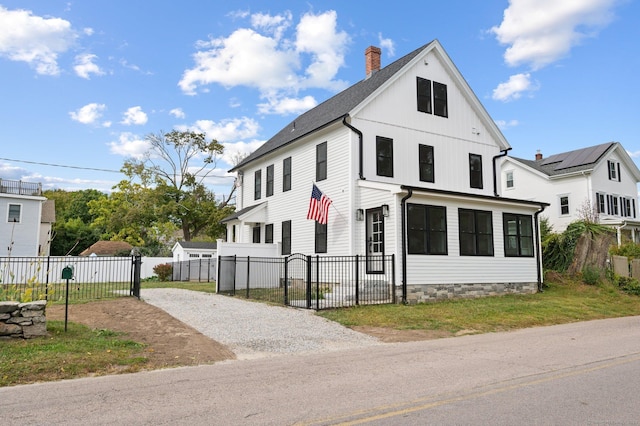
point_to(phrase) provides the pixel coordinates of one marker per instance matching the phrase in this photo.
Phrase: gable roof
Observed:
(106, 248)
(340, 105)
(579, 160)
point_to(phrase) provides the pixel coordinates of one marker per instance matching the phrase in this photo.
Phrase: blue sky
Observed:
(83, 82)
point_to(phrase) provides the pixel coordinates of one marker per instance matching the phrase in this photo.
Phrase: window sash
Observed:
(518, 235)
(257, 190)
(509, 179)
(13, 214)
(270, 180)
(286, 237)
(475, 232)
(384, 156)
(256, 234)
(564, 205)
(321, 161)
(475, 171)
(427, 229)
(423, 89)
(286, 174)
(425, 163)
(440, 99)
(268, 233)
(321, 238)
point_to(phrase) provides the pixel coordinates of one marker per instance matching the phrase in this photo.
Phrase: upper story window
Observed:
(476, 232)
(600, 202)
(440, 99)
(321, 161)
(13, 214)
(268, 233)
(518, 235)
(475, 171)
(614, 170)
(384, 156)
(270, 180)
(509, 179)
(425, 163)
(432, 100)
(286, 174)
(427, 229)
(286, 237)
(564, 204)
(257, 189)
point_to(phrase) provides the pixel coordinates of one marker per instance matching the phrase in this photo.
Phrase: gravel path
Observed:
(253, 329)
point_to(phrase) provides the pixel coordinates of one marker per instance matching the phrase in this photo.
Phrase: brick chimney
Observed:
(538, 155)
(372, 59)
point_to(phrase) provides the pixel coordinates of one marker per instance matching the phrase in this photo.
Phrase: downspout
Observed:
(403, 208)
(359, 133)
(539, 243)
(495, 173)
(619, 232)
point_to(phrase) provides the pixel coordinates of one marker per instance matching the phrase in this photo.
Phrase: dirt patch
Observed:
(171, 343)
(168, 342)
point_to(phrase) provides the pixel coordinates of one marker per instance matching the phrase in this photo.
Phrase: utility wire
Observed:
(61, 165)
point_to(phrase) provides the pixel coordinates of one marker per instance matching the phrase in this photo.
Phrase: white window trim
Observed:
(9, 208)
(506, 180)
(560, 196)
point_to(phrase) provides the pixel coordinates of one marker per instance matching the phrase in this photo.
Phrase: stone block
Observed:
(9, 329)
(8, 307)
(35, 330)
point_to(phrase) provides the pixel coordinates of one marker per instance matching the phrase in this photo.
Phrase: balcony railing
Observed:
(17, 187)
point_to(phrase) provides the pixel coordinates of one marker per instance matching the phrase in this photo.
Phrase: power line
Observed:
(61, 165)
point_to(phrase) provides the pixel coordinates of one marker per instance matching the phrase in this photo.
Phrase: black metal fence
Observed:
(35, 278)
(203, 269)
(312, 282)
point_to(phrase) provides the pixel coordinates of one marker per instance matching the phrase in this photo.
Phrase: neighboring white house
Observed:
(47, 219)
(600, 181)
(21, 219)
(188, 250)
(409, 158)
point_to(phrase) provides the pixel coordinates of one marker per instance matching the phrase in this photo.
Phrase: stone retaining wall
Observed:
(430, 292)
(23, 320)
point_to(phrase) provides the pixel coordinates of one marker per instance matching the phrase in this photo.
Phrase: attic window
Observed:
(432, 99)
(614, 170)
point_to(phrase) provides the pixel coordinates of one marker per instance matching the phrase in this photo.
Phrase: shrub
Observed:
(630, 250)
(591, 275)
(629, 285)
(164, 271)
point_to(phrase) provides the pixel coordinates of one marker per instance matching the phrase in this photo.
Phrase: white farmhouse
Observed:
(598, 182)
(409, 158)
(24, 231)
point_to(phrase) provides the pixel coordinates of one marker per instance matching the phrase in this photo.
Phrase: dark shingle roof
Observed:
(330, 110)
(198, 244)
(107, 248)
(569, 162)
(239, 213)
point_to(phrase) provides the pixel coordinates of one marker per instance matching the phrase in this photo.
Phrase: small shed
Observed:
(107, 248)
(189, 250)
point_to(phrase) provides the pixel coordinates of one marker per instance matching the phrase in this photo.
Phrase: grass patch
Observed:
(185, 285)
(560, 303)
(79, 352)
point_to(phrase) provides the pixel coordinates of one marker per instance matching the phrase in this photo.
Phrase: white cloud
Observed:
(88, 114)
(387, 45)
(285, 106)
(635, 154)
(134, 115)
(238, 150)
(513, 89)
(539, 32)
(503, 124)
(129, 145)
(85, 66)
(34, 39)
(234, 129)
(7, 171)
(177, 113)
(263, 58)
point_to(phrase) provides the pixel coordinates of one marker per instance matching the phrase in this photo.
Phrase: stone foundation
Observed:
(23, 320)
(420, 293)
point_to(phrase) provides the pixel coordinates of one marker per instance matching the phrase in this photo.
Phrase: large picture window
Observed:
(518, 235)
(425, 163)
(476, 232)
(384, 156)
(321, 161)
(426, 229)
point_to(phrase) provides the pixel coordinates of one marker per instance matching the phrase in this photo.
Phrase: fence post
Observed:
(357, 279)
(308, 282)
(286, 281)
(393, 277)
(235, 272)
(248, 273)
(137, 266)
(317, 282)
(218, 273)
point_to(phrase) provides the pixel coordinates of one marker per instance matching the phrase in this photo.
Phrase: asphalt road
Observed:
(582, 373)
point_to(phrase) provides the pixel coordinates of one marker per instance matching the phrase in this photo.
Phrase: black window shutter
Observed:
(618, 172)
(608, 204)
(633, 204)
(609, 169)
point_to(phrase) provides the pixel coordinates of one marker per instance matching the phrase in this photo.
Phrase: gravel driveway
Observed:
(253, 329)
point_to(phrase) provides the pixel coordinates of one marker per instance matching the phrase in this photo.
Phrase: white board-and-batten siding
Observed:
(293, 204)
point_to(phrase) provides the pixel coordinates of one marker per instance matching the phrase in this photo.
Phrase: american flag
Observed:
(318, 206)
